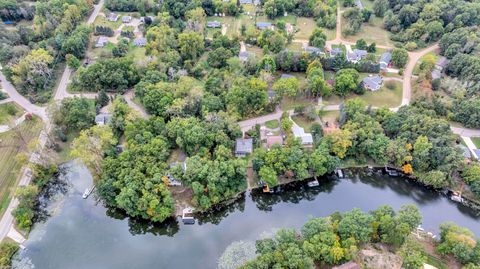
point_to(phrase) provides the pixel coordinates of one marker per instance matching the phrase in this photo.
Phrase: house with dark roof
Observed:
(102, 118)
(313, 50)
(113, 17)
(335, 51)
(245, 55)
(356, 55)
(385, 60)
(214, 24)
(243, 147)
(101, 42)
(140, 42)
(264, 25)
(372, 82)
(246, 2)
(439, 66)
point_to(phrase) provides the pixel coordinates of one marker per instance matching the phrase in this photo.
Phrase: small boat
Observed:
(266, 189)
(339, 173)
(86, 193)
(313, 183)
(187, 216)
(457, 197)
(393, 173)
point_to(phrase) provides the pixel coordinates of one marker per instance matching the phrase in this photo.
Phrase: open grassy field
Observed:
(329, 116)
(303, 122)
(272, 124)
(295, 46)
(476, 141)
(9, 112)
(289, 103)
(371, 32)
(9, 148)
(383, 97)
(306, 26)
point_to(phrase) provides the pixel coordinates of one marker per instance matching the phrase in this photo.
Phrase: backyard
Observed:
(11, 144)
(9, 112)
(372, 32)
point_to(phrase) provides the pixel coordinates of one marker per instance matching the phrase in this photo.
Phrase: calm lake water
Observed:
(84, 234)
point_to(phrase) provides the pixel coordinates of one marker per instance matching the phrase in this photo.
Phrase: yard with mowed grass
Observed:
(291, 103)
(305, 27)
(329, 116)
(10, 146)
(233, 25)
(371, 32)
(476, 141)
(384, 96)
(9, 112)
(416, 69)
(272, 124)
(303, 122)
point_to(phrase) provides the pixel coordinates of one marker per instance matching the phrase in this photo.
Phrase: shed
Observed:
(274, 139)
(112, 17)
(372, 82)
(465, 151)
(359, 4)
(101, 42)
(299, 132)
(243, 147)
(102, 118)
(246, 2)
(385, 60)
(140, 42)
(436, 74)
(244, 55)
(441, 62)
(214, 24)
(126, 19)
(264, 25)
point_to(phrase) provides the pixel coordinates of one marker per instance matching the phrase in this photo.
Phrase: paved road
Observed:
(61, 91)
(465, 131)
(129, 99)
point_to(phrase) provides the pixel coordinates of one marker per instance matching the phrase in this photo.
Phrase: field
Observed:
(303, 122)
(272, 124)
(371, 32)
(9, 167)
(476, 141)
(9, 112)
(416, 69)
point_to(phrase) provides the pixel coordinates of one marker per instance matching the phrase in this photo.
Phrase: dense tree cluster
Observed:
(141, 6)
(335, 239)
(460, 242)
(74, 114)
(11, 10)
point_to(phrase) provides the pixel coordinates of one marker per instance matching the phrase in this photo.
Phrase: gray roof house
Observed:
(256, 2)
(356, 55)
(335, 51)
(214, 24)
(243, 147)
(126, 19)
(140, 42)
(102, 118)
(436, 74)
(113, 17)
(299, 132)
(245, 55)
(385, 60)
(264, 25)
(286, 76)
(372, 82)
(439, 66)
(246, 2)
(101, 42)
(359, 4)
(314, 50)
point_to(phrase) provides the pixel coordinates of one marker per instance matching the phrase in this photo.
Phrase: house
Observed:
(439, 66)
(113, 17)
(243, 147)
(214, 24)
(256, 2)
(372, 82)
(245, 55)
(348, 265)
(286, 76)
(385, 60)
(335, 51)
(359, 4)
(274, 139)
(246, 2)
(313, 50)
(101, 42)
(126, 19)
(140, 42)
(356, 55)
(436, 74)
(476, 153)
(305, 138)
(102, 118)
(264, 25)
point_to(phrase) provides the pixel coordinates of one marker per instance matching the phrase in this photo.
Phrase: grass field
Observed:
(306, 26)
(303, 122)
(416, 69)
(9, 167)
(9, 112)
(371, 32)
(476, 141)
(295, 46)
(329, 116)
(383, 97)
(289, 103)
(272, 124)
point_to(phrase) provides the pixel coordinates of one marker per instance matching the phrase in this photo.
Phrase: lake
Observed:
(84, 234)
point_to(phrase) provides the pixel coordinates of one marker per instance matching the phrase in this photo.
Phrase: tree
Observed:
(102, 99)
(90, 147)
(248, 98)
(268, 175)
(286, 87)
(191, 45)
(435, 178)
(471, 173)
(24, 212)
(399, 57)
(458, 241)
(340, 141)
(372, 48)
(346, 81)
(75, 114)
(355, 224)
(410, 215)
(317, 39)
(361, 44)
(322, 162)
(413, 254)
(72, 61)
(32, 73)
(7, 250)
(380, 7)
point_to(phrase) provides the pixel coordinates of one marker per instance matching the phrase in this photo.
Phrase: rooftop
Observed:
(335, 51)
(244, 145)
(263, 24)
(442, 62)
(140, 42)
(313, 49)
(102, 118)
(274, 139)
(372, 82)
(214, 24)
(298, 132)
(359, 4)
(286, 76)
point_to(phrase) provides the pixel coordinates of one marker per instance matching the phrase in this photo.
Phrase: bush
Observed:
(3, 95)
(390, 85)
(7, 250)
(411, 46)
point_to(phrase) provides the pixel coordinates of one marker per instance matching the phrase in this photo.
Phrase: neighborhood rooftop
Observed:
(385, 60)
(214, 24)
(243, 146)
(373, 82)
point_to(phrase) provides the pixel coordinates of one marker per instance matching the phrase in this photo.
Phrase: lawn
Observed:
(476, 141)
(416, 69)
(257, 51)
(272, 124)
(383, 97)
(289, 103)
(9, 112)
(303, 122)
(329, 116)
(100, 20)
(305, 27)
(233, 24)
(371, 32)
(9, 166)
(295, 46)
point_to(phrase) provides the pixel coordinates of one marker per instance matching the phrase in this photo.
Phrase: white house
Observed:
(298, 132)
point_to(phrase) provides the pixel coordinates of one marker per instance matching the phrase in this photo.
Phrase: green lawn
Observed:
(303, 122)
(416, 69)
(476, 141)
(330, 116)
(289, 103)
(305, 27)
(9, 112)
(272, 124)
(295, 46)
(100, 20)
(371, 32)
(383, 97)
(10, 146)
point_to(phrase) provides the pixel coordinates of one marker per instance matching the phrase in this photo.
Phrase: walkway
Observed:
(129, 99)
(471, 146)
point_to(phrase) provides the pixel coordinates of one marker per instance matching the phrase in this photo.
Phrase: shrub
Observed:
(390, 85)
